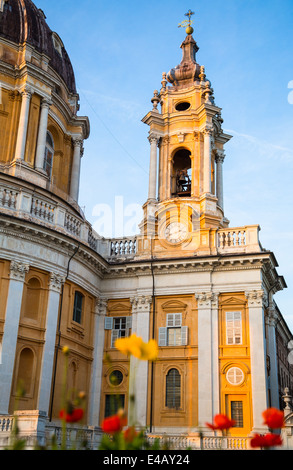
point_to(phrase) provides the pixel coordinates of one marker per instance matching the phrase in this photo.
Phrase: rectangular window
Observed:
(77, 308)
(120, 327)
(173, 334)
(233, 328)
(113, 403)
(237, 413)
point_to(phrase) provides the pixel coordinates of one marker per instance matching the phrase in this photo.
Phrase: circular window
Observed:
(235, 376)
(183, 106)
(116, 377)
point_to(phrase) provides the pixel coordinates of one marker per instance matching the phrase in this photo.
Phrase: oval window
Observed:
(116, 377)
(183, 106)
(235, 376)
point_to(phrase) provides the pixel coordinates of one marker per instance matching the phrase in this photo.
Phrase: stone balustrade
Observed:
(197, 442)
(50, 212)
(239, 240)
(123, 247)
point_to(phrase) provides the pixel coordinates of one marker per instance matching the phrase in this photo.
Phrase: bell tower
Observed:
(185, 200)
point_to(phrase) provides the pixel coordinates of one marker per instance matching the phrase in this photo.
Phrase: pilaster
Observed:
(96, 373)
(18, 271)
(208, 381)
(54, 290)
(255, 303)
(139, 369)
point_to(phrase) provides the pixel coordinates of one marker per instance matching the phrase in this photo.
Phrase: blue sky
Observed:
(119, 50)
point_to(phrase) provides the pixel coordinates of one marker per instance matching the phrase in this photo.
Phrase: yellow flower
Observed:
(134, 346)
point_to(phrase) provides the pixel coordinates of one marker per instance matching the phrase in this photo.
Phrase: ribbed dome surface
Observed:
(21, 21)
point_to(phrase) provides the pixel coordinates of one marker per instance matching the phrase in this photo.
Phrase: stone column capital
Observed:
(55, 282)
(77, 142)
(207, 299)
(18, 270)
(26, 92)
(141, 303)
(46, 103)
(255, 298)
(154, 139)
(220, 156)
(208, 131)
(101, 306)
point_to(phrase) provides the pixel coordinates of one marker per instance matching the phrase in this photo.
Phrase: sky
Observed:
(119, 50)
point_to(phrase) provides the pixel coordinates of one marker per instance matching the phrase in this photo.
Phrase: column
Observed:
(23, 125)
(154, 140)
(75, 172)
(18, 271)
(257, 358)
(220, 192)
(55, 285)
(207, 160)
(139, 369)
(272, 320)
(96, 375)
(42, 135)
(207, 357)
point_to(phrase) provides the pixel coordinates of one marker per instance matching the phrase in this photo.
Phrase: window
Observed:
(173, 389)
(235, 376)
(237, 413)
(113, 403)
(233, 328)
(49, 154)
(174, 334)
(77, 308)
(116, 378)
(120, 327)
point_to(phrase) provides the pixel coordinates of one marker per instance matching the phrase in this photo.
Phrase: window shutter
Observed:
(184, 335)
(108, 323)
(163, 336)
(128, 323)
(114, 336)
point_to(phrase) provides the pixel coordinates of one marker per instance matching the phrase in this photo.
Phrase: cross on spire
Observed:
(187, 23)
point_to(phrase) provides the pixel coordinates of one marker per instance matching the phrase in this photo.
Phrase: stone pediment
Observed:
(174, 305)
(233, 301)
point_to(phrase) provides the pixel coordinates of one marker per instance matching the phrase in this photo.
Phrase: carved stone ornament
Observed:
(141, 303)
(255, 298)
(207, 299)
(18, 270)
(101, 306)
(56, 281)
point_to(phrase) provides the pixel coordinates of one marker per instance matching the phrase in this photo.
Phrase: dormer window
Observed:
(57, 43)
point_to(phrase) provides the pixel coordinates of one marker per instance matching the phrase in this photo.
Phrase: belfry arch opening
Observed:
(181, 174)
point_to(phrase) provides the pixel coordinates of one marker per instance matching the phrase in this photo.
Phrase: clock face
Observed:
(176, 232)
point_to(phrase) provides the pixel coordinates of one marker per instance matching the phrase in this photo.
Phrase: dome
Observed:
(22, 22)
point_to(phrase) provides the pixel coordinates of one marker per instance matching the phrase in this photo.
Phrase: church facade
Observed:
(202, 290)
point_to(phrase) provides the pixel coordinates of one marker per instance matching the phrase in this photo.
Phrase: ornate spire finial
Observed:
(187, 23)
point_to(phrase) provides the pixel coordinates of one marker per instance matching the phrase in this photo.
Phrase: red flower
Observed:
(221, 422)
(129, 434)
(268, 440)
(113, 424)
(73, 416)
(274, 418)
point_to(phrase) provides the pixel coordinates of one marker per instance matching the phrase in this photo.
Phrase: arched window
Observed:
(173, 389)
(78, 306)
(49, 155)
(181, 174)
